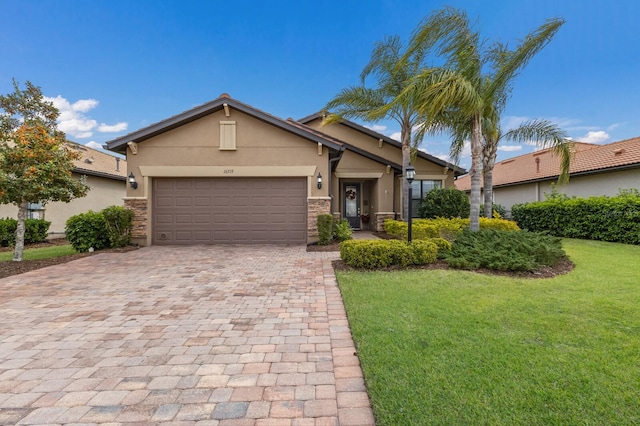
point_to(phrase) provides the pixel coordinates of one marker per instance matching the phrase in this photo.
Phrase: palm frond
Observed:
(545, 134)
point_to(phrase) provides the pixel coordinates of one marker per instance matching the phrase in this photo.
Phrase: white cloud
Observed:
(594, 137)
(118, 127)
(94, 145)
(396, 135)
(509, 148)
(74, 121)
(377, 128)
(511, 122)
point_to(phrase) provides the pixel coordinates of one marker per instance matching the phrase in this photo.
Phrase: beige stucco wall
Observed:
(578, 186)
(197, 144)
(104, 192)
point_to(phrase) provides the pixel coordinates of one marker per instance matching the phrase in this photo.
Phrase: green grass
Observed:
(460, 348)
(40, 253)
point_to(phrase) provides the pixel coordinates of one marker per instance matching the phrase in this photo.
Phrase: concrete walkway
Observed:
(206, 335)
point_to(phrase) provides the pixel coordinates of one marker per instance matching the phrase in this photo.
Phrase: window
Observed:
(419, 189)
(35, 211)
(227, 135)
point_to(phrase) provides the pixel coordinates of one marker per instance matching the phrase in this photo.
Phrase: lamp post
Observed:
(410, 174)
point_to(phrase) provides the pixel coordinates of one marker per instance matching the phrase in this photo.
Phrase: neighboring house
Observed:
(225, 172)
(106, 177)
(595, 170)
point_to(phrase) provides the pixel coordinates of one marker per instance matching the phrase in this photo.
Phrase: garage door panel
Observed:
(229, 210)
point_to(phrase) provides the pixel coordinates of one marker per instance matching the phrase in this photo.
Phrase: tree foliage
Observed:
(35, 160)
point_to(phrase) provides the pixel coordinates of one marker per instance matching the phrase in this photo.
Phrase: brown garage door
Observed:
(229, 210)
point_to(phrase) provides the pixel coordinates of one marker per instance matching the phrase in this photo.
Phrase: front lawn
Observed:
(454, 347)
(40, 253)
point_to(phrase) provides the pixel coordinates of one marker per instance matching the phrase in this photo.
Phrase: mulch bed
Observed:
(10, 268)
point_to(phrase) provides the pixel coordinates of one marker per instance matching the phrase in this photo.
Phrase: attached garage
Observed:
(229, 211)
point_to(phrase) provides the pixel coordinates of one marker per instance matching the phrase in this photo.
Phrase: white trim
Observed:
(356, 175)
(318, 198)
(227, 171)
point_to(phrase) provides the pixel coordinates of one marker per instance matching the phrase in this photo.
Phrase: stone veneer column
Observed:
(380, 218)
(316, 206)
(140, 219)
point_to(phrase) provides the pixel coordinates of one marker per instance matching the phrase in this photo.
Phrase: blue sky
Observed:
(116, 66)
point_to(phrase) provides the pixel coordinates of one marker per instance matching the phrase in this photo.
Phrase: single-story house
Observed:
(106, 177)
(595, 170)
(226, 172)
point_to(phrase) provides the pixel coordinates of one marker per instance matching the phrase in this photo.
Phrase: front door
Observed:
(352, 204)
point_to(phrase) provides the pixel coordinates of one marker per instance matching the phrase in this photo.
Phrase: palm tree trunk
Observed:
(19, 248)
(475, 173)
(488, 162)
(406, 162)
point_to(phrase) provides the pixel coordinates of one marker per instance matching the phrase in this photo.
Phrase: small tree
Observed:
(35, 160)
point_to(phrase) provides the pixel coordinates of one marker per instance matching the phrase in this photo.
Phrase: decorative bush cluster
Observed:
(615, 219)
(376, 254)
(443, 228)
(98, 230)
(330, 230)
(503, 250)
(444, 202)
(35, 231)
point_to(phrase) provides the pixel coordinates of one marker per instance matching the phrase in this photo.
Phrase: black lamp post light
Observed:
(410, 174)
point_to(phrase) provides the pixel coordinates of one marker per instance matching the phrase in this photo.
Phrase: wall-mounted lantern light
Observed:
(319, 181)
(132, 181)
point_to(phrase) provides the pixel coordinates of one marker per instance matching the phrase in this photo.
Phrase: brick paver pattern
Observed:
(204, 335)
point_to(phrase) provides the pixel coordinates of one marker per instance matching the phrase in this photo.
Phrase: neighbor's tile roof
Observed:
(98, 163)
(587, 158)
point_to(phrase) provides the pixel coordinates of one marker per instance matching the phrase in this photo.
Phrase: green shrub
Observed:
(614, 219)
(86, 230)
(499, 211)
(444, 202)
(35, 231)
(118, 222)
(442, 244)
(377, 254)
(424, 229)
(325, 229)
(342, 230)
(425, 252)
(503, 250)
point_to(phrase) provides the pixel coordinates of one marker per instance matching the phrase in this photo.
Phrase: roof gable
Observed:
(545, 165)
(375, 135)
(224, 101)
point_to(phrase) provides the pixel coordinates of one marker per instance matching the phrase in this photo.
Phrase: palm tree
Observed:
(393, 71)
(461, 95)
(541, 133)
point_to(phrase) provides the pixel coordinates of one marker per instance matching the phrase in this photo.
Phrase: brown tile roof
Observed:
(544, 165)
(98, 163)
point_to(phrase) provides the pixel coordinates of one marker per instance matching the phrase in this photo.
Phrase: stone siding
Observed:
(140, 218)
(316, 206)
(380, 218)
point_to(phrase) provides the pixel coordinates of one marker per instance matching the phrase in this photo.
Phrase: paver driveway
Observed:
(220, 335)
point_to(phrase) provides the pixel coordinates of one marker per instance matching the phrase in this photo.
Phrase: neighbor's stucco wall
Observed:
(103, 193)
(586, 186)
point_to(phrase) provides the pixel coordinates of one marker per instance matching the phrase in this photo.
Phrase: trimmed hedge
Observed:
(614, 219)
(108, 228)
(35, 231)
(376, 254)
(423, 229)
